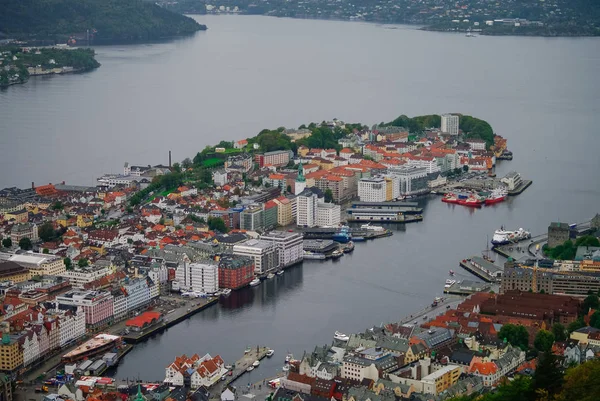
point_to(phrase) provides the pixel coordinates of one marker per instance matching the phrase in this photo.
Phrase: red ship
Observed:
(450, 198)
(471, 201)
(497, 196)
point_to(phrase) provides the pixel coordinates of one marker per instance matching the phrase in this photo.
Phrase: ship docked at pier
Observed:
(502, 237)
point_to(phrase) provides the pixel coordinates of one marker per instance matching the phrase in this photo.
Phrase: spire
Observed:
(139, 396)
(300, 173)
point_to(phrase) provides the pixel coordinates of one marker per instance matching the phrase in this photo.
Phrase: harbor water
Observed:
(247, 73)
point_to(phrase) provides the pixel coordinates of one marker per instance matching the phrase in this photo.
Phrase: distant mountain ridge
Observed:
(106, 20)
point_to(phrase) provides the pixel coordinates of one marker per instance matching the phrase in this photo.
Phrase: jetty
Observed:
(482, 268)
(239, 368)
(170, 319)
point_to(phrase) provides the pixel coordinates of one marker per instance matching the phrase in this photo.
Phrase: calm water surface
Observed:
(249, 73)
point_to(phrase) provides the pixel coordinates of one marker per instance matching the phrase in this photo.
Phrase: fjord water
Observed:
(247, 73)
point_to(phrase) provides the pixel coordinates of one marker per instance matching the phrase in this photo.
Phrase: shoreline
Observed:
(414, 26)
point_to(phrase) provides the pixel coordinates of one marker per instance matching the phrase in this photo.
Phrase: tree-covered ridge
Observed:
(106, 20)
(471, 127)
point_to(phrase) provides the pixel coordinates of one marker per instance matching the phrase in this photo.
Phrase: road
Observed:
(452, 300)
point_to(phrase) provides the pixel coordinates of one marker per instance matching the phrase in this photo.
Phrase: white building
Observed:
(288, 244)
(81, 276)
(476, 144)
(512, 180)
(203, 277)
(71, 324)
(265, 254)
(359, 368)
(328, 214)
(219, 177)
(97, 305)
(137, 292)
(306, 207)
(40, 264)
(450, 124)
(372, 189)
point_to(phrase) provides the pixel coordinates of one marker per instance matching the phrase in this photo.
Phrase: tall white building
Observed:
(306, 207)
(328, 214)
(264, 253)
(450, 124)
(78, 277)
(198, 277)
(288, 244)
(372, 189)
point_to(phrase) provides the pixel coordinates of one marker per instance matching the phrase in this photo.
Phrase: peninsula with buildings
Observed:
(17, 63)
(88, 272)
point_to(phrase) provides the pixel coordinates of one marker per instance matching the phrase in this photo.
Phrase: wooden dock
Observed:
(256, 353)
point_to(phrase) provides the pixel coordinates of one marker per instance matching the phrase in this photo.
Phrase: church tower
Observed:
(300, 183)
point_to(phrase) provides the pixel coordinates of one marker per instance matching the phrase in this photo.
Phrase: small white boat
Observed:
(270, 276)
(248, 349)
(250, 368)
(228, 367)
(270, 353)
(369, 227)
(256, 363)
(288, 358)
(255, 282)
(226, 292)
(280, 273)
(341, 336)
(285, 368)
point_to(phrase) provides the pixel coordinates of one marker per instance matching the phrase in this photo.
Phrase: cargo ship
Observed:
(502, 237)
(498, 195)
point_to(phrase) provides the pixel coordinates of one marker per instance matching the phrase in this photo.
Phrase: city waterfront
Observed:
(549, 122)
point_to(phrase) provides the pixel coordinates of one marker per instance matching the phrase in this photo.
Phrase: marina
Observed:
(247, 363)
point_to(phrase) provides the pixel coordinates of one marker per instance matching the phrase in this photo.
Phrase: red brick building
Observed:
(235, 271)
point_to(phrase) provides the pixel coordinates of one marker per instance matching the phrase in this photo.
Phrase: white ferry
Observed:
(369, 227)
(502, 236)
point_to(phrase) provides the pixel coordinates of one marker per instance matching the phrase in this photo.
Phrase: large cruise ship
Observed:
(502, 236)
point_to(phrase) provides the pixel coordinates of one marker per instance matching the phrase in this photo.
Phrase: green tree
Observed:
(68, 263)
(83, 262)
(289, 189)
(516, 335)
(25, 244)
(57, 205)
(543, 341)
(548, 376)
(46, 232)
(577, 324)
(7, 242)
(177, 167)
(217, 224)
(559, 331)
(186, 163)
(328, 195)
(590, 302)
(46, 251)
(582, 383)
(595, 320)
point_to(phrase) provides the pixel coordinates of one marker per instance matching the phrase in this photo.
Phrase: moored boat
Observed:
(280, 273)
(255, 282)
(337, 254)
(502, 236)
(285, 368)
(313, 255)
(270, 353)
(250, 368)
(226, 292)
(256, 363)
(349, 247)
(341, 336)
(451, 272)
(471, 201)
(496, 196)
(369, 227)
(288, 358)
(270, 276)
(450, 198)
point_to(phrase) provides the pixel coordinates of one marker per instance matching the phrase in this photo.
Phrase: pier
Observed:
(169, 320)
(482, 268)
(467, 287)
(254, 354)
